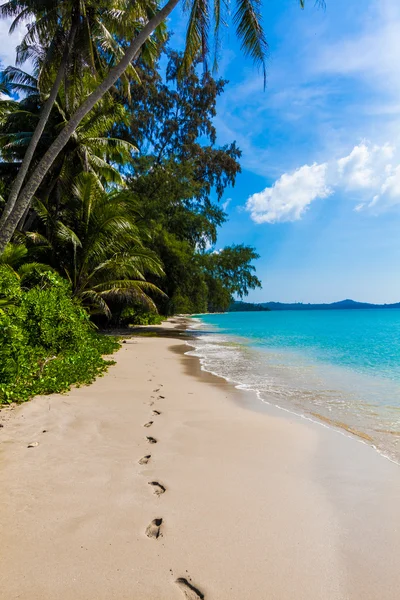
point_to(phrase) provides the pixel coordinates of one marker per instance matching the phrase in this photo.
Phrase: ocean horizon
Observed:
(340, 368)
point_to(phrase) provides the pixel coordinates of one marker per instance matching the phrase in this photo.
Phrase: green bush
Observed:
(47, 342)
(10, 289)
(139, 316)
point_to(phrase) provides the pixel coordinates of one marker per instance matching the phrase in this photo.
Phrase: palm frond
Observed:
(28, 268)
(19, 79)
(196, 32)
(13, 254)
(37, 239)
(66, 235)
(247, 20)
(95, 301)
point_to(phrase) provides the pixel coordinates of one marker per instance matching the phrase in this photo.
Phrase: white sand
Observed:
(258, 504)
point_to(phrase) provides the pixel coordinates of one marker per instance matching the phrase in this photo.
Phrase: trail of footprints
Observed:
(153, 530)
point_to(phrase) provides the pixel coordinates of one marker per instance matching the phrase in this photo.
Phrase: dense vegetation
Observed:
(110, 179)
(47, 341)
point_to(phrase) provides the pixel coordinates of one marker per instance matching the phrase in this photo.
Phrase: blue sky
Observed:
(319, 193)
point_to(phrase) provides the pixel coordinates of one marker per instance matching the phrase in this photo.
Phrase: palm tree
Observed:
(17, 126)
(203, 16)
(90, 149)
(66, 41)
(98, 247)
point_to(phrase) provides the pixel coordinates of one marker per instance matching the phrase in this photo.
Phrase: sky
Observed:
(319, 192)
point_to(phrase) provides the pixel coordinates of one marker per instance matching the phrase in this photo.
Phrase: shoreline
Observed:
(309, 412)
(255, 503)
(320, 420)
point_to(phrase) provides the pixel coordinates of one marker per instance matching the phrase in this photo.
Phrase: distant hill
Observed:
(343, 304)
(247, 307)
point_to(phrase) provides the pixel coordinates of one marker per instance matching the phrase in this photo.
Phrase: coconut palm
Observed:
(98, 246)
(69, 41)
(204, 16)
(90, 149)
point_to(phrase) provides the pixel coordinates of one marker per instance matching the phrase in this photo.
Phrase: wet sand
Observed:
(160, 481)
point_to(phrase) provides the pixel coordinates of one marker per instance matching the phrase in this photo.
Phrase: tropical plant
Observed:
(47, 342)
(229, 273)
(69, 42)
(203, 18)
(90, 149)
(15, 259)
(98, 247)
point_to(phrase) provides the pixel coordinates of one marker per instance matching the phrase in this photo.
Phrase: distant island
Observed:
(343, 304)
(239, 306)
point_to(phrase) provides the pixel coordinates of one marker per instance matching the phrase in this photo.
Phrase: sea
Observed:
(340, 368)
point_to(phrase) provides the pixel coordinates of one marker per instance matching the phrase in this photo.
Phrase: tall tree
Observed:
(179, 174)
(66, 40)
(98, 246)
(92, 148)
(229, 273)
(203, 18)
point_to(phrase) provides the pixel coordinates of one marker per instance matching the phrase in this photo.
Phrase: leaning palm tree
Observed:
(67, 41)
(90, 149)
(204, 16)
(98, 247)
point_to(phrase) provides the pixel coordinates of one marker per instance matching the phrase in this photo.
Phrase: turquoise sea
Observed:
(338, 367)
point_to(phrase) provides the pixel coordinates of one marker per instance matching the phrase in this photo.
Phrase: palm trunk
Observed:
(114, 74)
(37, 134)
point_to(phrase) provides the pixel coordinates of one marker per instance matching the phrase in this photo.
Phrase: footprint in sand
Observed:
(188, 590)
(157, 487)
(160, 397)
(144, 460)
(156, 413)
(151, 440)
(149, 424)
(153, 530)
(157, 390)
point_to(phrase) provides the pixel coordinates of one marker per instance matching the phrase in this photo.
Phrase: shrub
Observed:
(139, 316)
(10, 290)
(47, 342)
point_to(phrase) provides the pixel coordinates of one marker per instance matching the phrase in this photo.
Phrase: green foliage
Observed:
(139, 316)
(10, 290)
(47, 342)
(229, 272)
(99, 247)
(129, 230)
(239, 306)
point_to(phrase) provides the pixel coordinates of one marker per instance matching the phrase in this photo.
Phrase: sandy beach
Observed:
(160, 482)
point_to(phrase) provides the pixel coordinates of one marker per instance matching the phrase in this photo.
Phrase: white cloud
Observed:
(290, 195)
(371, 53)
(226, 203)
(367, 172)
(391, 187)
(9, 42)
(363, 167)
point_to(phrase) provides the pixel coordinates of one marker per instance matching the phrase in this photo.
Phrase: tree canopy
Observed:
(129, 211)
